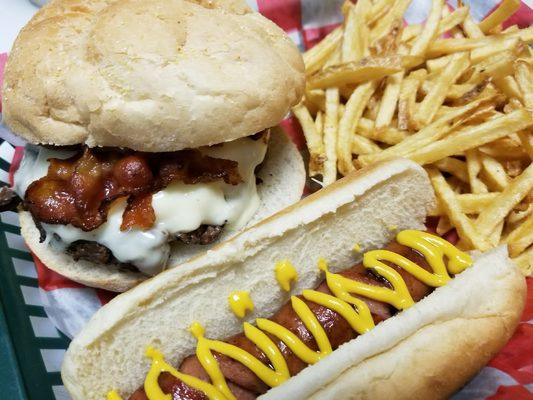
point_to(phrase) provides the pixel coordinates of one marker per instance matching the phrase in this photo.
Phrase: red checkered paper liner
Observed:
(508, 376)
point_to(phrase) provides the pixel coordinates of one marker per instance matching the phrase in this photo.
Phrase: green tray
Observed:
(30, 346)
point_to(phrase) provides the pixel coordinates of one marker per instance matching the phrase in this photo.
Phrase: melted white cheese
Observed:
(34, 166)
(178, 208)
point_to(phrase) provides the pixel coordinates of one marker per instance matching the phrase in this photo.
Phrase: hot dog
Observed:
(245, 384)
(360, 332)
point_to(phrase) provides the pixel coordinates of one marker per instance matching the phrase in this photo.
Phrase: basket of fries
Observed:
(451, 89)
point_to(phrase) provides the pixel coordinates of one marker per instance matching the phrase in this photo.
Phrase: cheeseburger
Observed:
(148, 129)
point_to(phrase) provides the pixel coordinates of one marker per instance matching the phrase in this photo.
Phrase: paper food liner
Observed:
(70, 305)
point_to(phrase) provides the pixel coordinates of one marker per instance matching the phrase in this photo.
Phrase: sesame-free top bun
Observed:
(150, 75)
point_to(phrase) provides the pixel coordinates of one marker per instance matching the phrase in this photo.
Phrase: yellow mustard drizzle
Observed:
(292, 341)
(285, 274)
(240, 303)
(359, 318)
(357, 248)
(354, 310)
(159, 365)
(271, 377)
(433, 248)
(113, 395)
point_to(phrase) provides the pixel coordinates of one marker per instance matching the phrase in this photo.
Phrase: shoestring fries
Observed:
(454, 95)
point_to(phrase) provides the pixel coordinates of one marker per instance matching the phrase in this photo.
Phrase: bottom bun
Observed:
(283, 180)
(428, 351)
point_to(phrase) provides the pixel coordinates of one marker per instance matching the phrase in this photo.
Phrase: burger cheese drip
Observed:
(343, 301)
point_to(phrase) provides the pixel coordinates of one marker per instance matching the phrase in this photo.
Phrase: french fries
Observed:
(498, 45)
(499, 64)
(435, 98)
(331, 127)
(521, 237)
(407, 100)
(494, 173)
(424, 138)
(389, 101)
(504, 203)
(355, 38)
(348, 124)
(454, 167)
(452, 208)
(525, 261)
(454, 95)
(389, 135)
(504, 11)
(448, 46)
(469, 203)
(524, 78)
(315, 58)
(471, 29)
(473, 137)
(383, 25)
(473, 165)
(452, 20)
(379, 8)
(430, 29)
(313, 139)
(367, 69)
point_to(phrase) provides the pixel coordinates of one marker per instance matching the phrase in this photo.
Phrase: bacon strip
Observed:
(79, 190)
(139, 213)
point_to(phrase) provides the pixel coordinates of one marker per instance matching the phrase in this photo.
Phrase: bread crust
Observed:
(357, 209)
(283, 180)
(205, 72)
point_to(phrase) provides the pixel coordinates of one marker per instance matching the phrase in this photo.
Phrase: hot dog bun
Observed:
(428, 351)
(109, 352)
(283, 180)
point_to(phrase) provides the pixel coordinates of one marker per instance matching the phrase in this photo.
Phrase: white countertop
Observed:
(13, 16)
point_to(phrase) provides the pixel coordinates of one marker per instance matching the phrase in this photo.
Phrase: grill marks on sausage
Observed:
(79, 190)
(245, 384)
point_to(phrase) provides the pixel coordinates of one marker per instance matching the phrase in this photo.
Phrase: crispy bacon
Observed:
(50, 201)
(79, 190)
(190, 167)
(139, 213)
(133, 173)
